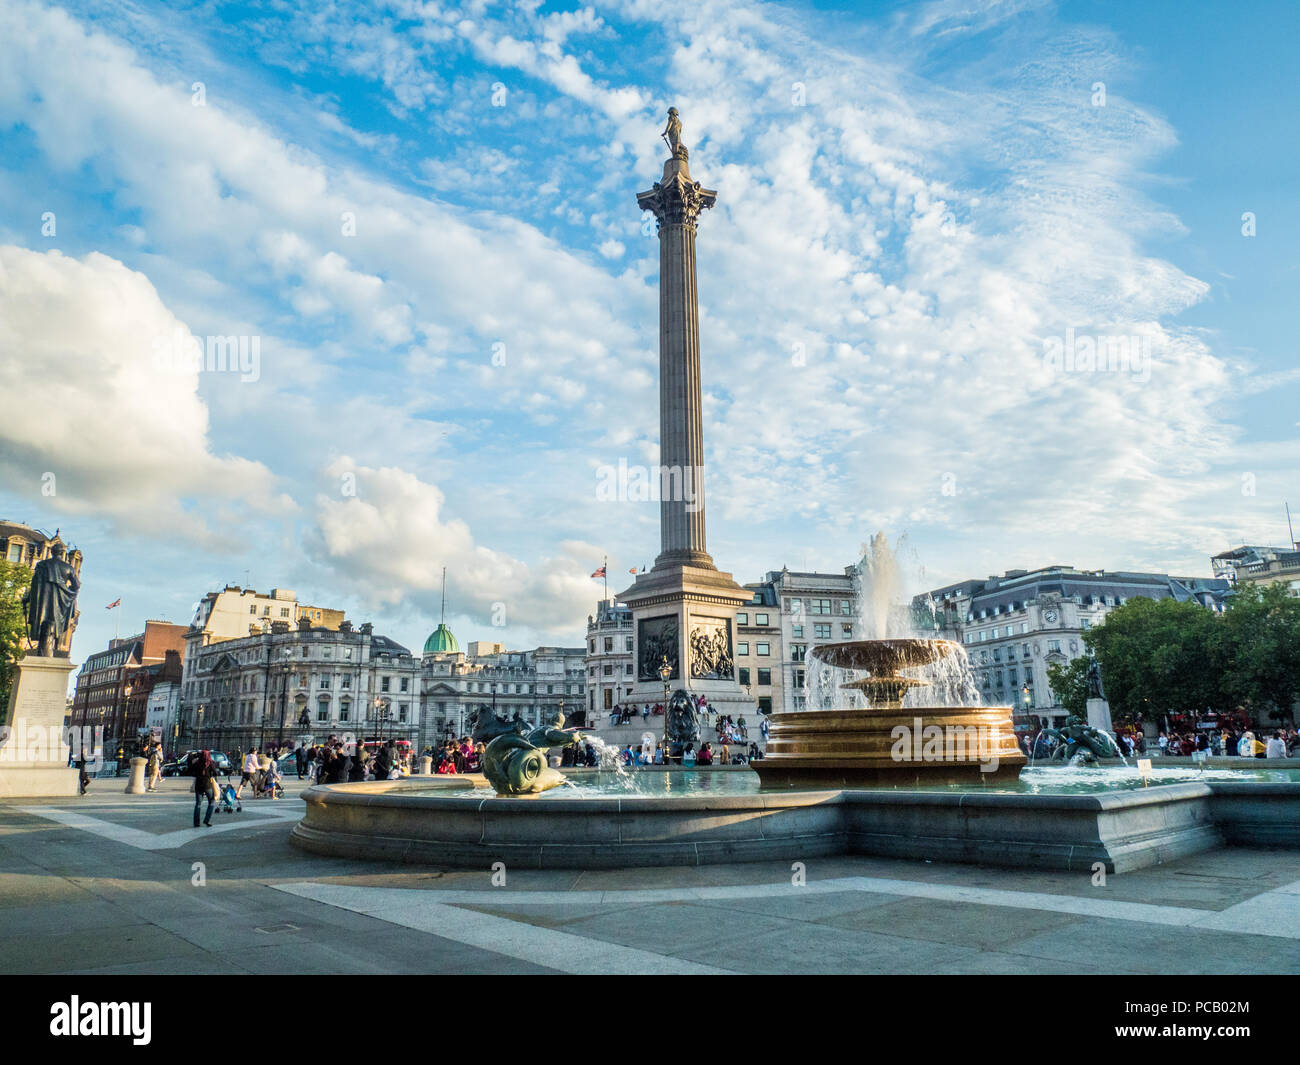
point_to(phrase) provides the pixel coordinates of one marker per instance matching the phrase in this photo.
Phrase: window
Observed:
(1053, 645)
(406, 684)
(345, 710)
(822, 632)
(609, 644)
(763, 648)
(743, 677)
(253, 609)
(797, 651)
(760, 619)
(284, 611)
(401, 711)
(742, 648)
(609, 669)
(629, 645)
(627, 669)
(383, 684)
(798, 676)
(847, 631)
(609, 698)
(764, 678)
(764, 704)
(345, 683)
(846, 607)
(796, 631)
(323, 710)
(819, 606)
(324, 682)
(742, 618)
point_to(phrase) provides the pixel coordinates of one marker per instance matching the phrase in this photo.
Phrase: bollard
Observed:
(136, 784)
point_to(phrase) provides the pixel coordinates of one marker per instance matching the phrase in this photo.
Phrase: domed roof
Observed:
(441, 641)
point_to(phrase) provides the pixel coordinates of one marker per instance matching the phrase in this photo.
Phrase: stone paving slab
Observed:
(86, 897)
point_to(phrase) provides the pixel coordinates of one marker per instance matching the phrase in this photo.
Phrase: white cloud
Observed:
(90, 392)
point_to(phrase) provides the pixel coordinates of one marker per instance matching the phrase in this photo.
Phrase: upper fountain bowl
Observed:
(884, 656)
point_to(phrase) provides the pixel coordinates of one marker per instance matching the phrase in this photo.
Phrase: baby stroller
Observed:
(229, 801)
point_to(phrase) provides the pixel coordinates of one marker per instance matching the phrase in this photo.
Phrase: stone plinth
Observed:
(33, 747)
(1099, 715)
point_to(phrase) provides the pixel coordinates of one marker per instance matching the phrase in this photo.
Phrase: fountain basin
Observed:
(441, 822)
(875, 747)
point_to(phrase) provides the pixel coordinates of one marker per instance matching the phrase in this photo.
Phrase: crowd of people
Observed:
(1217, 743)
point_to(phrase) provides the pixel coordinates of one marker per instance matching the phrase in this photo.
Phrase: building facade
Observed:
(609, 659)
(1015, 626)
(299, 683)
(1260, 565)
(106, 695)
(531, 685)
(792, 611)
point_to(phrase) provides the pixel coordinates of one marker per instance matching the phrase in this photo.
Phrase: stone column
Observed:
(676, 202)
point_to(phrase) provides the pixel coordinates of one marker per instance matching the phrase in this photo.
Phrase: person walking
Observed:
(153, 758)
(205, 784)
(249, 776)
(300, 759)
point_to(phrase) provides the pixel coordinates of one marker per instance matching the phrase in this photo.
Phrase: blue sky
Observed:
(914, 200)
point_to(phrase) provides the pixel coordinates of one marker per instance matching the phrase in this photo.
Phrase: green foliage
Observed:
(1161, 656)
(1070, 684)
(15, 579)
(1258, 648)
(1156, 658)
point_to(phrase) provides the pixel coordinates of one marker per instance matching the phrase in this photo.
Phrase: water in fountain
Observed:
(610, 759)
(879, 594)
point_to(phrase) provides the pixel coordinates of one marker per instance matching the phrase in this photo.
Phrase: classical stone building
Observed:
(792, 610)
(1015, 626)
(300, 682)
(531, 685)
(236, 612)
(609, 659)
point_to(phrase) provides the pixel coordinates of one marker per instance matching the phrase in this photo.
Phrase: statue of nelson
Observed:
(48, 602)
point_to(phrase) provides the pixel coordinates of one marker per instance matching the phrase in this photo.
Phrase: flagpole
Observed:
(604, 580)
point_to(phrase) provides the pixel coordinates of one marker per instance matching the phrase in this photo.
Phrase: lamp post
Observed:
(198, 741)
(665, 671)
(121, 730)
(382, 704)
(285, 666)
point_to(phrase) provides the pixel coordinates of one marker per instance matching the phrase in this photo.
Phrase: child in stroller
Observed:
(229, 800)
(271, 786)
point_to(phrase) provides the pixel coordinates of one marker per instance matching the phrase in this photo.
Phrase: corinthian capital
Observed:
(678, 199)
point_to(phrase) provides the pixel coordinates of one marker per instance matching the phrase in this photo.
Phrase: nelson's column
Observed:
(684, 609)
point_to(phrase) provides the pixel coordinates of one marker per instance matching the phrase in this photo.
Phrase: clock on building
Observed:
(1050, 616)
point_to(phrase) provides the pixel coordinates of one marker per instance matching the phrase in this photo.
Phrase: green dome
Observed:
(441, 641)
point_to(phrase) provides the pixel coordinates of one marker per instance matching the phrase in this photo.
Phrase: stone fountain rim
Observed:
(910, 651)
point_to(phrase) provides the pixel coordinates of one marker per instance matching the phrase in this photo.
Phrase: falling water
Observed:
(610, 758)
(882, 612)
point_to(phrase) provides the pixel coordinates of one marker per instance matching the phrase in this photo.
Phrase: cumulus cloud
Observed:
(98, 415)
(384, 533)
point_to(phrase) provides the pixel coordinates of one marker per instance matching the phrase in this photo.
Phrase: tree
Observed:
(1257, 648)
(15, 579)
(1157, 658)
(1069, 684)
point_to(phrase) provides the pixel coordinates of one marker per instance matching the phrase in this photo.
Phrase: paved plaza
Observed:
(109, 883)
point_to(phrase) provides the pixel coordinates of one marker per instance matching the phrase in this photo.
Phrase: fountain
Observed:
(944, 773)
(885, 743)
